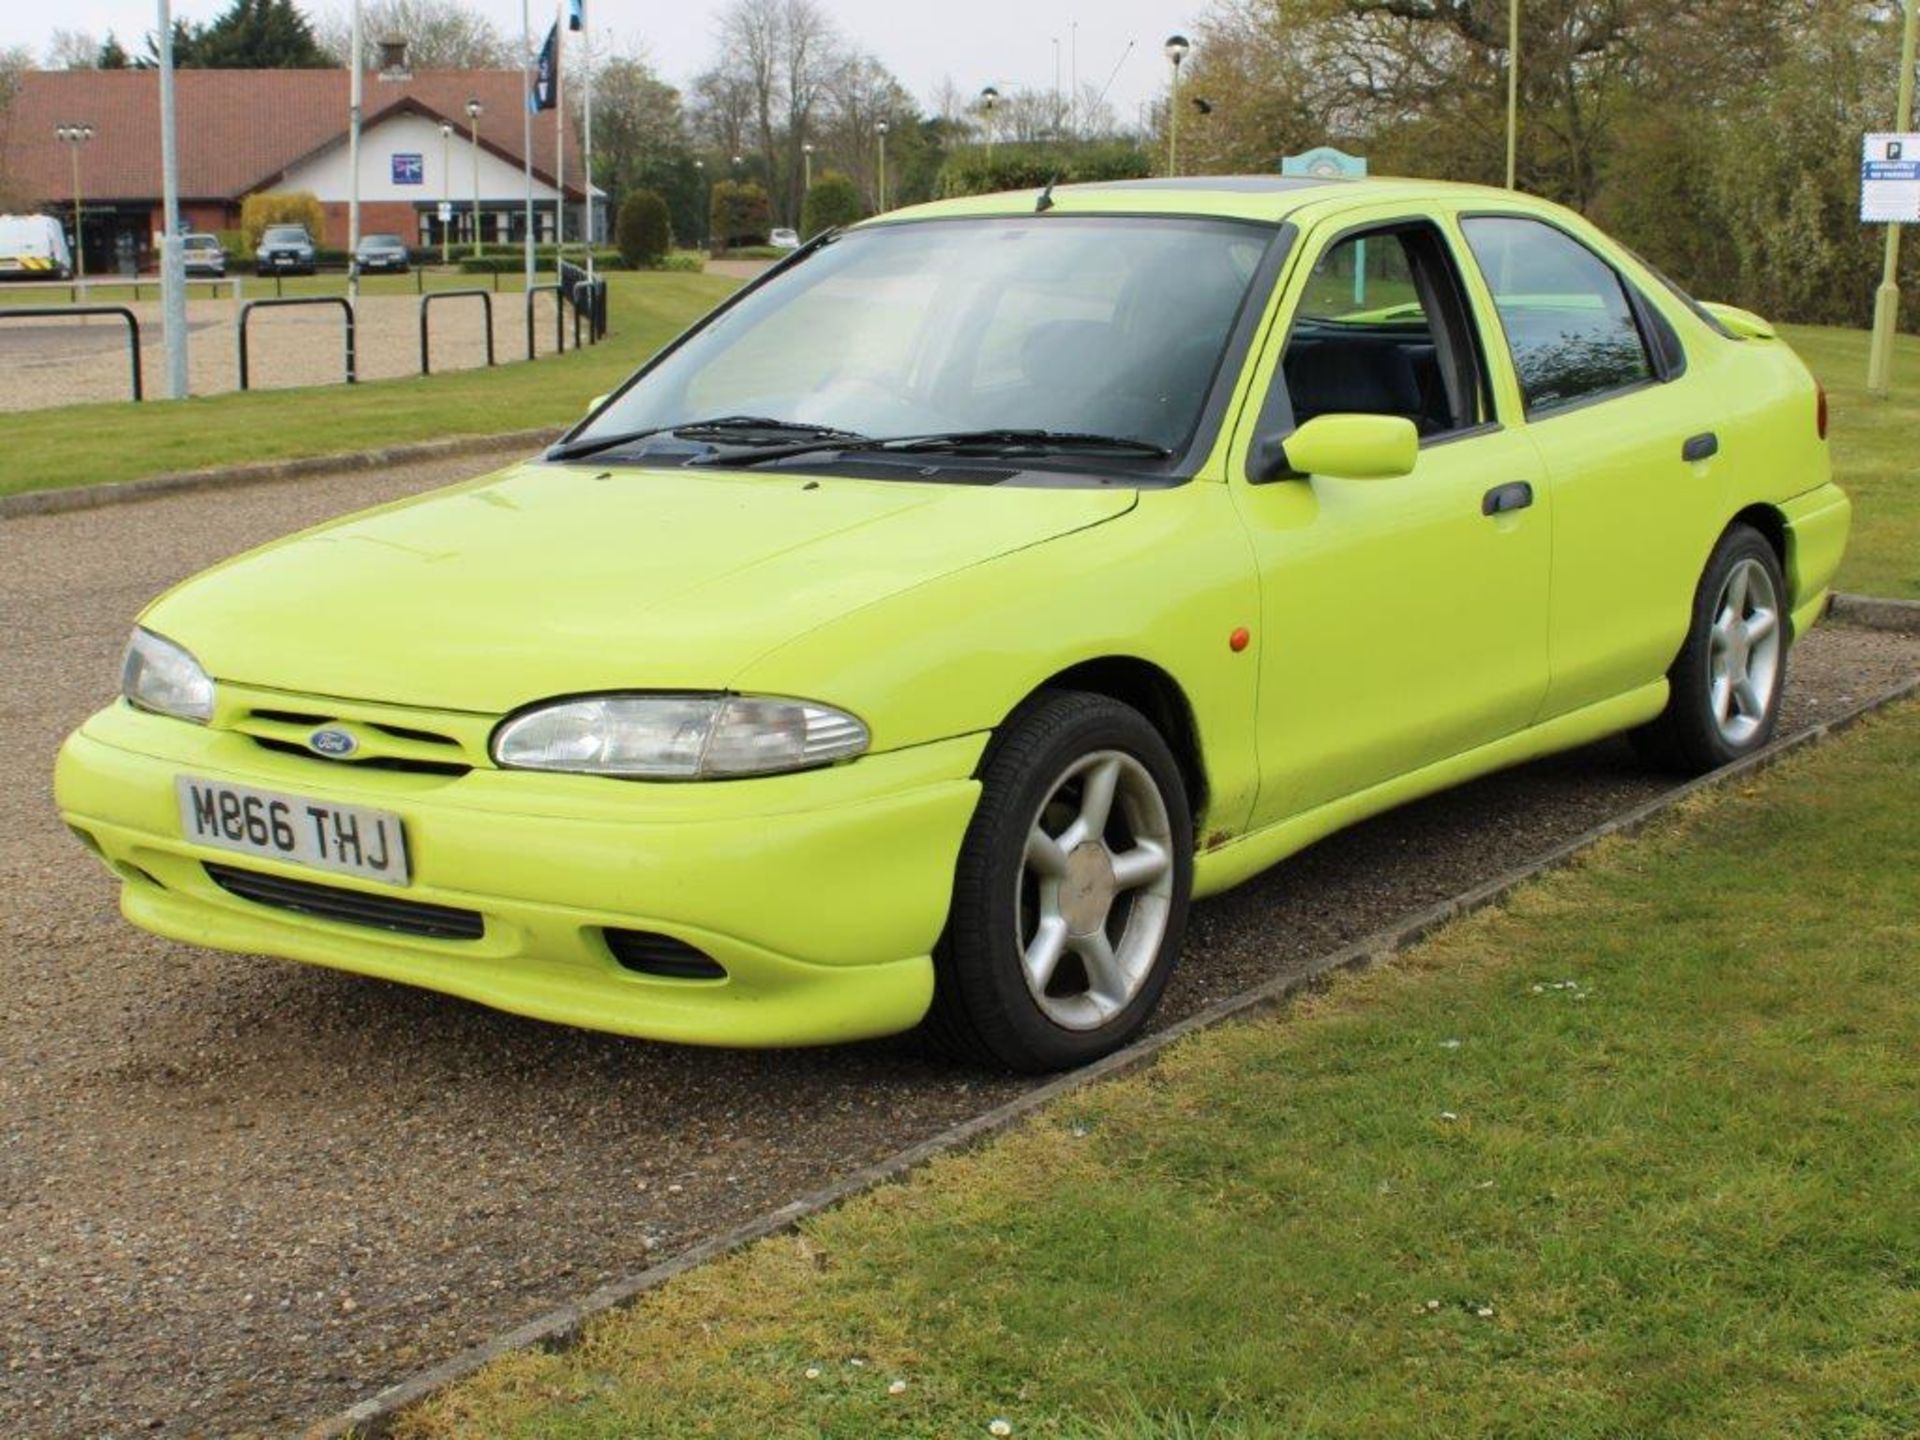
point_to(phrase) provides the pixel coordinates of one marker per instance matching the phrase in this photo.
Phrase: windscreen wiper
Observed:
(720, 427)
(1015, 439)
(989, 442)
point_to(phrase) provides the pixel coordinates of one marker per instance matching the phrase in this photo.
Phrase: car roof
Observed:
(1269, 198)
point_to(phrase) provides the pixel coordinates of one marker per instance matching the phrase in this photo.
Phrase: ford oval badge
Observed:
(332, 742)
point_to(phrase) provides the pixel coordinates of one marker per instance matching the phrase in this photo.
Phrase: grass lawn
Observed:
(1876, 455)
(1633, 1155)
(87, 444)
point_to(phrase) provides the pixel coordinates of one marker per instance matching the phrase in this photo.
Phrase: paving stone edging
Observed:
(558, 1329)
(120, 492)
(1901, 616)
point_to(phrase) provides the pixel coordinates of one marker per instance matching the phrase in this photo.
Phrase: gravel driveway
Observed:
(236, 1194)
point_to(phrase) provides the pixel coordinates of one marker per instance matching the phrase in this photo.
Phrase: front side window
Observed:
(1381, 329)
(1569, 325)
(1105, 325)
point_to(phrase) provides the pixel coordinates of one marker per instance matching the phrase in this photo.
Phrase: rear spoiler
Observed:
(1743, 324)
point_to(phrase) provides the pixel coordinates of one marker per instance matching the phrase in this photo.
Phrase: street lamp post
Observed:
(989, 97)
(806, 161)
(474, 111)
(446, 191)
(706, 201)
(73, 137)
(1513, 88)
(1886, 299)
(882, 129)
(1176, 50)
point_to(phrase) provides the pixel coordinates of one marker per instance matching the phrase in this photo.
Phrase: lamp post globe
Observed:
(1176, 49)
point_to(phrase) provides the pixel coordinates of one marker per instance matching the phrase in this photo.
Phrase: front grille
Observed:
(648, 953)
(384, 745)
(350, 907)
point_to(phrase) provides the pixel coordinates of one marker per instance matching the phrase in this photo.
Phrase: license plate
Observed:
(349, 839)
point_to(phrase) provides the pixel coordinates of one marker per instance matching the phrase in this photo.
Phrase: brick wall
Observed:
(377, 217)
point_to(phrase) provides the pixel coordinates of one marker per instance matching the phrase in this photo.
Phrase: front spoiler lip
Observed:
(824, 915)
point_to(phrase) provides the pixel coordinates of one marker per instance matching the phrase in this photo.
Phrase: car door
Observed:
(1631, 458)
(1404, 620)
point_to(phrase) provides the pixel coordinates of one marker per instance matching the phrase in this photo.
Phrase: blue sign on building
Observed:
(409, 170)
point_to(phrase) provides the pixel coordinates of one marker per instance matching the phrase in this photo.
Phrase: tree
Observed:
(113, 55)
(440, 34)
(640, 139)
(643, 232)
(742, 213)
(248, 35)
(778, 57)
(14, 195)
(834, 200)
(72, 50)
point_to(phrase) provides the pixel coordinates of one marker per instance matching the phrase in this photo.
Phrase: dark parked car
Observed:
(203, 255)
(382, 252)
(285, 250)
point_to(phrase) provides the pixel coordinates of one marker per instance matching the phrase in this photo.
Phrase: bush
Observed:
(688, 261)
(1028, 167)
(281, 207)
(742, 212)
(643, 231)
(832, 201)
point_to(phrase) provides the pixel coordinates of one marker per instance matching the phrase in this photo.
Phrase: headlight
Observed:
(678, 737)
(158, 675)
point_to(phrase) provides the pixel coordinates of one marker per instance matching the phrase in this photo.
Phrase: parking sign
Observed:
(1890, 179)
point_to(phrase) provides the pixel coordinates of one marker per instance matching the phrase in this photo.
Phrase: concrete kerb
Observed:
(121, 492)
(560, 1328)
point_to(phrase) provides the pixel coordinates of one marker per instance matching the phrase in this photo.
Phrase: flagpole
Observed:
(559, 135)
(586, 164)
(526, 119)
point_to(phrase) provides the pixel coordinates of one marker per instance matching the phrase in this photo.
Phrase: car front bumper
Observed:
(821, 893)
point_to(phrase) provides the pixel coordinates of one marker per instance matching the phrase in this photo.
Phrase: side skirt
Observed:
(1241, 859)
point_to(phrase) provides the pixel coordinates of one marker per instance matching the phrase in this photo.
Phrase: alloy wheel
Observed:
(1743, 657)
(1095, 889)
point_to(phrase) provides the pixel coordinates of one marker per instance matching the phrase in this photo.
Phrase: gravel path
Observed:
(77, 360)
(236, 1194)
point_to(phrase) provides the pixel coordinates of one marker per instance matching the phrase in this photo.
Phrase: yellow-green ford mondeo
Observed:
(912, 639)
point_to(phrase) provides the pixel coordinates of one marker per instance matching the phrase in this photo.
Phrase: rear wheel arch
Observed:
(1147, 688)
(1773, 528)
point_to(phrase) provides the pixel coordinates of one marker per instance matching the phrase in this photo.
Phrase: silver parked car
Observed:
(204, 255)
(382, 252)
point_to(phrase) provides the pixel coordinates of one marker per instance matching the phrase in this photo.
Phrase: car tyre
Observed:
(1726, 685)
(1071, 890)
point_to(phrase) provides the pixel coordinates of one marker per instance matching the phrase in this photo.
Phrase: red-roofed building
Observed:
(245, 131)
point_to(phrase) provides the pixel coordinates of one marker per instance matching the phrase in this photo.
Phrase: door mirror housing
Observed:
(597, 401)
(1342, 447)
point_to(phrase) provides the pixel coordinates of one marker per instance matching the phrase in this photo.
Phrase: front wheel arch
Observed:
(1143, 686)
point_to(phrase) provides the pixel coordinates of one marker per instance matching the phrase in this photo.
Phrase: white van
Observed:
(33, 247)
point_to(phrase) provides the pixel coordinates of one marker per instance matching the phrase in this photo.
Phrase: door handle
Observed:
(1517, 495)
(1700, 447)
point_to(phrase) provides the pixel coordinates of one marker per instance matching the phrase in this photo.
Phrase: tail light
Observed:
(1820, 409)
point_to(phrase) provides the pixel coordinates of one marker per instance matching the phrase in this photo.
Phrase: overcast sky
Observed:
(977, 42)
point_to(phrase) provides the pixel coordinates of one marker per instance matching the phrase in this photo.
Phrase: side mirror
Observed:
(1343, 447)
(597, 401)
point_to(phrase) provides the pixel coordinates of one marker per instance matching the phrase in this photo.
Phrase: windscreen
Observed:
(1108, 325)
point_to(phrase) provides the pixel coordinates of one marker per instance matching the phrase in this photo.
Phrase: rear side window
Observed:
(1569, 324)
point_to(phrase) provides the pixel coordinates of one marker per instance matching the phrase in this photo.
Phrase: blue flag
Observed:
(546, 79)
(576, 14)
